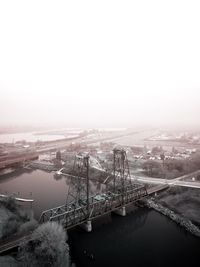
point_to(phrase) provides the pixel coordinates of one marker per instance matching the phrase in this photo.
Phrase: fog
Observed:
(107, 63)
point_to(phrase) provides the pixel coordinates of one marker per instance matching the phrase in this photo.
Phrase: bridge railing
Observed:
(74, 214)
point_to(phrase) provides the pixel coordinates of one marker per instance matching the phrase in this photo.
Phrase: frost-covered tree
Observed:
(14, 219)
(47, 247)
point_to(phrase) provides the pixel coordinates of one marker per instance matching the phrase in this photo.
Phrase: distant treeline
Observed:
(172, 168)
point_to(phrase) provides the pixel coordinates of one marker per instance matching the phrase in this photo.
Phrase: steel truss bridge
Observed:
(83, 208)
(72, 215)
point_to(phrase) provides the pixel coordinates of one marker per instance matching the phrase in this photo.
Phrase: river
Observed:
(142, 238)
(29, 137)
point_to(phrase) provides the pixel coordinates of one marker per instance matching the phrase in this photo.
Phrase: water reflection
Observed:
(46, 191)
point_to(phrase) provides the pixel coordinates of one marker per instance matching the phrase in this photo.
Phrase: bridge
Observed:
(81, 207)
(98, 205)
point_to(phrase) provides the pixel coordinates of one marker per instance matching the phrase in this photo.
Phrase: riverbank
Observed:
(14, 173)
(183, 201)
(180, 220)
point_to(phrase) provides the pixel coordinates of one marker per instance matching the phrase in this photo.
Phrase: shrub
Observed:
(47, 247)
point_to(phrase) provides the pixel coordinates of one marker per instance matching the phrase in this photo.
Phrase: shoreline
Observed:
(180, 220)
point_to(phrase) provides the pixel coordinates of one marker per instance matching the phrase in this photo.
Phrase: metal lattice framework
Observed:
(99, 205)
(78, 192)
(121, 173)
(82, 207)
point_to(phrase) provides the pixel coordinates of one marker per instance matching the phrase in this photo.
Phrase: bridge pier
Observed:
(87, 226)
(121, 211)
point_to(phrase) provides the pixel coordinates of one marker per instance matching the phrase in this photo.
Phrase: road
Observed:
(174, 182)
(60, 144)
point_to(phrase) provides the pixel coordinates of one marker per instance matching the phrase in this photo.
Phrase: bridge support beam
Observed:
(121, 211)
(87, 226)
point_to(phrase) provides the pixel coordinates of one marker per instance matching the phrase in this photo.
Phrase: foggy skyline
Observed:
(108, 63)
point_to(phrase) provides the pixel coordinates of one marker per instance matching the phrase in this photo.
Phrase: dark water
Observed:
(45, 188)
(142, 238)
(41, 186)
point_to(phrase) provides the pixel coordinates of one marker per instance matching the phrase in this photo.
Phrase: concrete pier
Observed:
(87, 226)
(121, 211)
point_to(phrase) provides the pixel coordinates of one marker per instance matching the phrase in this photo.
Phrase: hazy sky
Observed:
(106, 63)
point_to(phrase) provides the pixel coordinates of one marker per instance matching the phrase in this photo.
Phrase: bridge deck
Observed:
(74, 214)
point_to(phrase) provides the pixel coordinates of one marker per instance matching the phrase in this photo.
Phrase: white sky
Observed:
(106, 63)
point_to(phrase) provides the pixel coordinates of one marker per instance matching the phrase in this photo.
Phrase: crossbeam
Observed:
(71, 215)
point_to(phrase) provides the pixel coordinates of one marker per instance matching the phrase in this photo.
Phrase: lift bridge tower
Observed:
(120, 177)
(78, 192)
(81, 208)
(119, 180)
